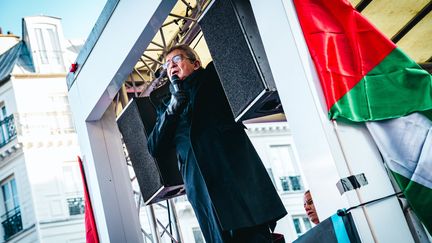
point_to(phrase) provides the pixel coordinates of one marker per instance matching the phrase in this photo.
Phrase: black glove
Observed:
(178, 102)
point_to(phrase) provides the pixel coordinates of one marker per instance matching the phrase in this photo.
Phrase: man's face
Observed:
(310, 208)
(183, 68)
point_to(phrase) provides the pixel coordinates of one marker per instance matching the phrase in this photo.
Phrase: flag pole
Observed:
(335, 127)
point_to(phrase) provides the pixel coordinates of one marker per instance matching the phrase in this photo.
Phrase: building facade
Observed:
(41, 197)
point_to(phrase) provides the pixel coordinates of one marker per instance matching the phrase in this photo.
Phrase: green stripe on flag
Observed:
(419, 197)
(394, 88)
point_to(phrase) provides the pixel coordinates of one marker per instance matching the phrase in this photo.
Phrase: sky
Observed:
(78, 16)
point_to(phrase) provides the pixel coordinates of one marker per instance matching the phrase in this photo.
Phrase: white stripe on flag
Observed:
(406, 145)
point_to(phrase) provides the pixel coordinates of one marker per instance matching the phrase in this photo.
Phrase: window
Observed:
(11, 219)
(73, 187)
(3, 112)
(72, 178)
(7, 126)
(55, 45)
(59, 102)
(197, 235)
(285, 172)
(76, 205)
(291, 183)
(301, 224)
(61, 115)
(56, 119)
(41, 46)
(10, 195)
(48, 44)
(3, 130)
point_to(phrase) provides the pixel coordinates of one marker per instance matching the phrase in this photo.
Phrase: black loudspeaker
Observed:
(159, 178)
(232, 36)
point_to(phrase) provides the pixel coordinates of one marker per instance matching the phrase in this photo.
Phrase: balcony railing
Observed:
(76, 205)
(291, 183)
(7, 130)
(45, 123)
(12, 223)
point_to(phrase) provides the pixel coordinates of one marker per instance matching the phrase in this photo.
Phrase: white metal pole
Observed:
(176, 221)
(153, 224)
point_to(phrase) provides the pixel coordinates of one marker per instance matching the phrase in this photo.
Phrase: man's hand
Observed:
(178, 103)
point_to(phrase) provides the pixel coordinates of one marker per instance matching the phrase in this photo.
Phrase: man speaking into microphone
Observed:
(226, 183)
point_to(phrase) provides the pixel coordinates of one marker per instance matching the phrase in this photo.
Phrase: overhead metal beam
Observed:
(157, 44)
(182, 17)
(417, 18)
(427, 66)
(151, 58)
(362, 5)
(188, 29)
(187, 4)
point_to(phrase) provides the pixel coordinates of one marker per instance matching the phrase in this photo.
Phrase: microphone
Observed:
(175, 81)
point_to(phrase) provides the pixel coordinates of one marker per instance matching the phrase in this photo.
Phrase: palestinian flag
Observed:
(365, 77)
(89, 219)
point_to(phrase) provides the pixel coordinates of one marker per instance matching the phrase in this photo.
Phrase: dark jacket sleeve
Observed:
(162, 135)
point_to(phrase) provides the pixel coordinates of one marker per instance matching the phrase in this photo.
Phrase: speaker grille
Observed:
(158, 178)
(231, 33)
(232, 57)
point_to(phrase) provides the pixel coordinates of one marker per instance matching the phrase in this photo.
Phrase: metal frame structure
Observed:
(415, 20)
(180, 27)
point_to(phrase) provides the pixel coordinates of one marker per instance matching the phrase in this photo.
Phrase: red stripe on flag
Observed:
(90, 224)
(343, 44)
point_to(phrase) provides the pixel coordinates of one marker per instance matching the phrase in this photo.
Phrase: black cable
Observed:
(342, 212)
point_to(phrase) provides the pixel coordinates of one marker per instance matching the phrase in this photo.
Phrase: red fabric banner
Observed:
(343, 44)
(90, 224)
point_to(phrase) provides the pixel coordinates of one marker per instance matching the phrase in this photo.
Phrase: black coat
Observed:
(239, 186)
